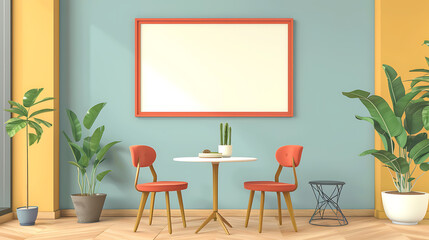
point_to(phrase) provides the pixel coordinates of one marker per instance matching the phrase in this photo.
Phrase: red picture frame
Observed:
(140, 21)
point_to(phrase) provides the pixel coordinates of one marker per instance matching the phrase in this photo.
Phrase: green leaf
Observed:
(402, 139)
(401, 164)
(41, 111)
(383, 114)
(413, 121)
(44, 100)
(420, 70)
(383, 156)
(394, 163)
(385, 138)
(75, 151)
(420, 149)
(421, 159)
(74, 125)
(356, 94)
(92, 115)
(101, 175)
(87, 147)
(396, 88)
(421, 88)
(390, 72)
(96, 162)
(14, 120)
(40, 121)
(411, 179)
(367, 152)
(32, 138)
(106, 148)
(427, 60)
(30, 96)
(20, 107)
(37, 128)
(424, 167)
(84, 160)
(419, 80)
(96, 138)
(413, 140)
(17, 111)
(379, 111)
(15, 126)
(425, 117)
(81, 169)
(426, 95)
(402, 104)
(426, 42)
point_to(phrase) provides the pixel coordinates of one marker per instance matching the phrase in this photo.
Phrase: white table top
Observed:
(219, 160)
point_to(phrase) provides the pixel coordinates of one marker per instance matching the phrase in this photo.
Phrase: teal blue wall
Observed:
(333, 52)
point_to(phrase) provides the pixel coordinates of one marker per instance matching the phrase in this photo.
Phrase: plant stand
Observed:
(324, 200)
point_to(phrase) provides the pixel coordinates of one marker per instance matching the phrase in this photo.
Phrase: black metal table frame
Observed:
(324, 201)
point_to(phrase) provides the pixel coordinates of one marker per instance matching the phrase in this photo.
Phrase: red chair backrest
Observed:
(285, 154)
(143, 154)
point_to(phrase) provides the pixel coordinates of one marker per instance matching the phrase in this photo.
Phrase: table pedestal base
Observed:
(215, 216)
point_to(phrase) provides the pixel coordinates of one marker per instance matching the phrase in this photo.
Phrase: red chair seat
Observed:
(269, 186)
(162, 186)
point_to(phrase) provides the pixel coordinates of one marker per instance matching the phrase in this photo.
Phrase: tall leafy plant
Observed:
(88, 153)
(27, 118)
(399, 126)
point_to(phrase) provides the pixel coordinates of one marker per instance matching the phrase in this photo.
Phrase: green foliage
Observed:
(92, 114)
(225, 134)
(25, 119)
(391, 126)
(85, 150)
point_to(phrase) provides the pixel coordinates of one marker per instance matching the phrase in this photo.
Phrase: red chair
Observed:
(144, 156)
(287, 156)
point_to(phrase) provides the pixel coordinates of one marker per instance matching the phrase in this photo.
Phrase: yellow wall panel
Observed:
(35, 55)
(400, 29)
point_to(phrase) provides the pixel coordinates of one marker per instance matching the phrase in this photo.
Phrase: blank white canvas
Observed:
(214, 67)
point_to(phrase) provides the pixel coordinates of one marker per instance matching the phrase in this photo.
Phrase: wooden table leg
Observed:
(215, 215)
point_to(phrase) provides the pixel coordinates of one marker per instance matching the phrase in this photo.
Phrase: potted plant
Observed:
(405, 149)
(225, 141)
(28, 120)
(88, 155)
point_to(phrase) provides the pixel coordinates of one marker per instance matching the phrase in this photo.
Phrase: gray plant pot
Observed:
(27, 216)
(88, 207)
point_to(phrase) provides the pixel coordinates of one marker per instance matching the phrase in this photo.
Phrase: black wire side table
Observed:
(325, 200)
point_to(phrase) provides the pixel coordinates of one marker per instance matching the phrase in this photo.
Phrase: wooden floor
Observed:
(121, 228)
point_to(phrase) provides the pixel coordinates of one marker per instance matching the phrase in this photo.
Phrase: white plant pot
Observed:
(405, 209)
(226, 150)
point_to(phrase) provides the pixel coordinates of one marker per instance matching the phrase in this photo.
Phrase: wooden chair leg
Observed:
(279, 204)
(182, 210)
(141, 207)
(261, 211)
(152, 203)
(167, 201)
(290, 209)
(249, 208)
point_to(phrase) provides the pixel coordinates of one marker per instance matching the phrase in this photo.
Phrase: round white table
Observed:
(215, 215)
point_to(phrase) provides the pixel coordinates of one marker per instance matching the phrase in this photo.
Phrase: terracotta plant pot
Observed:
(88, 207)
(405, 208)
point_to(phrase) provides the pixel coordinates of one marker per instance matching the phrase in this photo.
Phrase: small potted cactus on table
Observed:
(225, 140)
